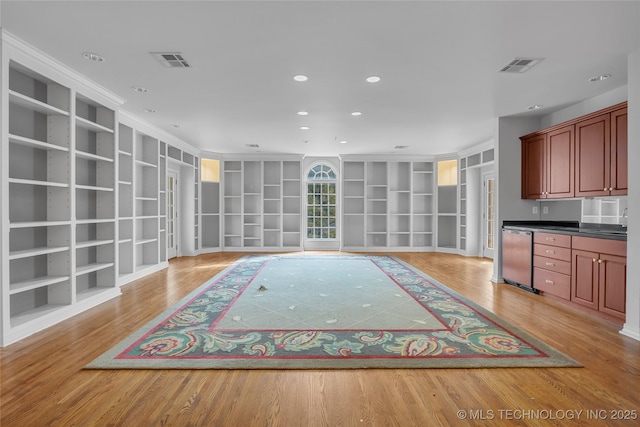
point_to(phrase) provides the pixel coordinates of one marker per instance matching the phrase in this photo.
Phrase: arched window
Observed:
(321, 202)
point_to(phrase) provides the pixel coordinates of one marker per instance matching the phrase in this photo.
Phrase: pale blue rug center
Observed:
(325, 294)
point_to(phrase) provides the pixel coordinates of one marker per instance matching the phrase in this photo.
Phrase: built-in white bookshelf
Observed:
(291, 204)
(59, 162)
(146, 195)
(196, 207)
(422, 204)
(272, 203)
(387, 204)
(162, 201)
(210, 205)
(463, 205)
(262, 204)
(125, 200)
(353, 200)
(95, 204)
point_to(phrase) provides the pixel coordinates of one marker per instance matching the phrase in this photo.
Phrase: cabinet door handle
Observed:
(594, 260)
(605, 188)
(548, 282)
(599, 261)
(550, 239)
(610, 188)
(550, 264)
(549, 251)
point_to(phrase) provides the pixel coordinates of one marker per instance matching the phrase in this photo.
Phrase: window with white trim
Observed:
(321, 202)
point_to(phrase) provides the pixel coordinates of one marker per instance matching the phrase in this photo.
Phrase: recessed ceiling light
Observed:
(373, 79)
(304, 127)
(343, 142)
(356, 113)
(535, 107)
(600, 78)
(303, 113)
(300, 78)
(150, 110)
(90, 56)
(139, 89)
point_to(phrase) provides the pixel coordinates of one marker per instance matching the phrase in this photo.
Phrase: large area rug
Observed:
(326, 312)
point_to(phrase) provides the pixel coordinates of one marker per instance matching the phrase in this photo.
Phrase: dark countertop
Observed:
(573, 228)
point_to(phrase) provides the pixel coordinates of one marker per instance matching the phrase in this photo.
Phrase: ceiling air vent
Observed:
(252, 145)
(520, 65)
(400, 147)
(171, 59)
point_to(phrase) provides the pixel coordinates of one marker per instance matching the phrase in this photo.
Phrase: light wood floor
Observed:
(43, 383)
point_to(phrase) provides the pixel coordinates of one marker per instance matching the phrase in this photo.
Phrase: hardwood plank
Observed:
(43, 382)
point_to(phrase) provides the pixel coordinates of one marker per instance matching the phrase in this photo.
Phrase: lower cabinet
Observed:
(599, 271)
(552, 264)
(587, 271)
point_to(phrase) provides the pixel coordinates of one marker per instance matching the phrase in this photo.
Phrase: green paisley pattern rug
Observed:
(188, 336)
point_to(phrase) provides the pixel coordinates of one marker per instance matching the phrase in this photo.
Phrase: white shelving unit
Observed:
(422, 204)
(210, 206)
(292, 204)
(95, 188)
(262, 204)
(353, 202)
(271, 204)
(58, 163)
(387, 205)
(196, 207)
(162, 201)
(463, 204)
(605, 210)
(146, 196)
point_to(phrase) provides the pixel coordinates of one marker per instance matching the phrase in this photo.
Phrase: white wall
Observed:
(509, 204)
(560, 210)
(632, 325)
(587, 106)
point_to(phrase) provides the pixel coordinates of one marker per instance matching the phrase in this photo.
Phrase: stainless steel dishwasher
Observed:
(517, 258)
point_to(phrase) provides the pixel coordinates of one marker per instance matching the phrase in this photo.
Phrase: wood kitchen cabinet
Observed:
(584, 157)
(601, 155)
(598, 280)
(548, 164)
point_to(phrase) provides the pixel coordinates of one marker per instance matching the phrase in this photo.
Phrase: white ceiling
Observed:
(440, 91)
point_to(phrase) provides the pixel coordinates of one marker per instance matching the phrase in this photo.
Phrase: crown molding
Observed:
(25, 52)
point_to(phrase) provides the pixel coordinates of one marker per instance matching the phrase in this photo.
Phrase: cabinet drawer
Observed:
(551, 282)
(602, 246)
(554, 252)
(552, 264)
(552, 239)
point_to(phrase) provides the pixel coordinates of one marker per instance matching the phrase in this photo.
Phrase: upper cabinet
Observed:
(586, 157)
(619, 163)
(601, 155)
(547, 164)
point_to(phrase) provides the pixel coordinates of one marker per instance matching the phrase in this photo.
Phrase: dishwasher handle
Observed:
(525, 233)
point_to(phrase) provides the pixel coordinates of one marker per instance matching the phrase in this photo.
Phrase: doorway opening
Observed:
(488, 215)
(172, 214)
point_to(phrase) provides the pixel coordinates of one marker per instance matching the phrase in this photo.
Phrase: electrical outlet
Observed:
(535, 210)
(545, 210)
